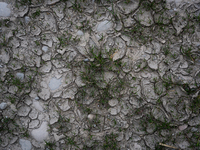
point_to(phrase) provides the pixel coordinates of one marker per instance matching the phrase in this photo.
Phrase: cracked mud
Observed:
(99, 74)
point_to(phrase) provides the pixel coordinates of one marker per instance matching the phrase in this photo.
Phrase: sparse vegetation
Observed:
(77, 6)
(195, 105)
(110, 142)
(25, 2)
(50, 145)
(36, 14)
(97, 68)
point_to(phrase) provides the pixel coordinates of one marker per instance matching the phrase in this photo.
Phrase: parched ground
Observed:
(99, 74)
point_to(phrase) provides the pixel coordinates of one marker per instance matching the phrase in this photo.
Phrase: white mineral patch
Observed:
(90, 116)
(41, 133)
(3, 105)
(54, 83)
(27, 19)
(20, 76)
(79, 32)
(104, 25)
(25, 144)
(45, 48)
(4, 10)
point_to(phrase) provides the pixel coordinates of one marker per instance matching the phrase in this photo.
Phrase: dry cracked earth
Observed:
(99, 74)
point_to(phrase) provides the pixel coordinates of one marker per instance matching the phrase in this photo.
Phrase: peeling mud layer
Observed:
(99, 74)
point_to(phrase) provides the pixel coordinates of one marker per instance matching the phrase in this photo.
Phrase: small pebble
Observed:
(45, 48)
(90, 116)
(86, 60)
(3, 105)
(27, 19)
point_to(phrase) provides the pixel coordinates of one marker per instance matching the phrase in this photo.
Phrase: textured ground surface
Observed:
(99, 75)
